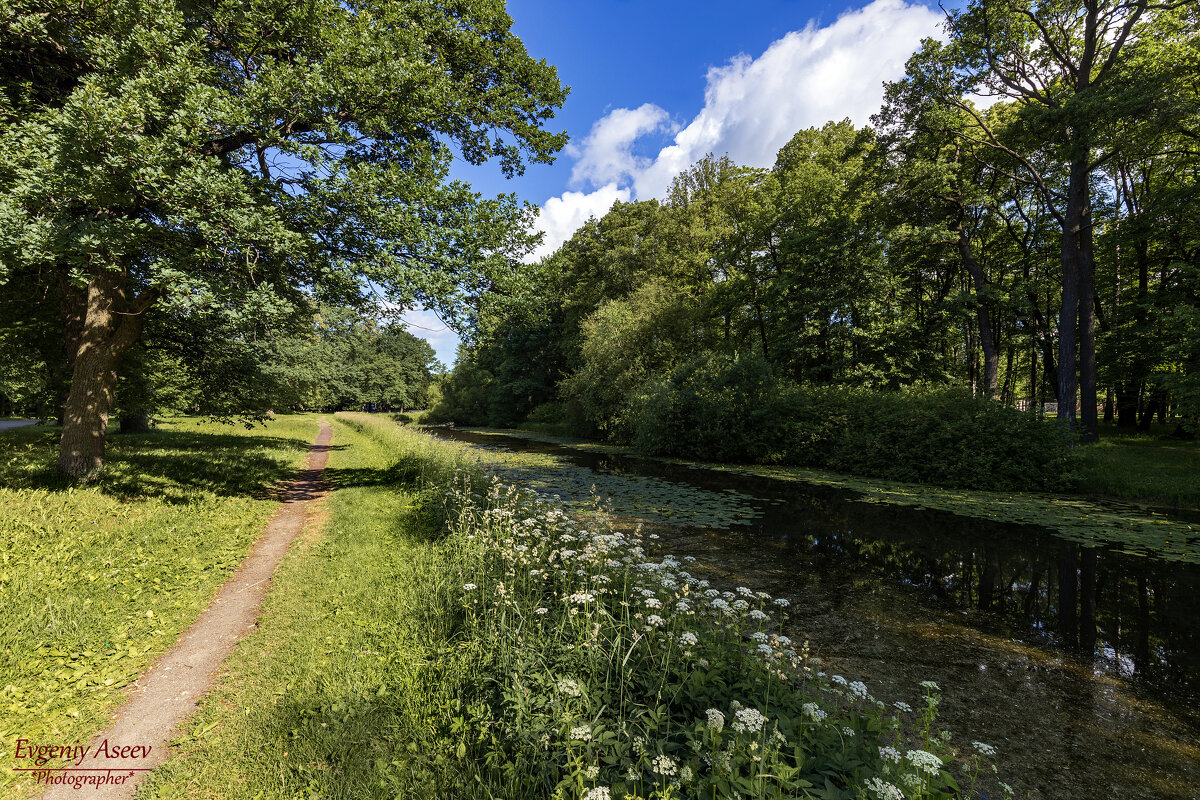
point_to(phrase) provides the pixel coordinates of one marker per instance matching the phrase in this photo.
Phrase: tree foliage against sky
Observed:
(237, 158)
(1041, 247)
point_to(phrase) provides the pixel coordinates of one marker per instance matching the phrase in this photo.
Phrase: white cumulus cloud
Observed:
(753, 106)
(562, 216)
(606, 155)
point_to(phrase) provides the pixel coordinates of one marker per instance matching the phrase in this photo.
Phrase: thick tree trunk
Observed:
(1078, 197)
(110, 326)
(1127, 403)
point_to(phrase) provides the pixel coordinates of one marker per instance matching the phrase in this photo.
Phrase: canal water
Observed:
(1080, 665)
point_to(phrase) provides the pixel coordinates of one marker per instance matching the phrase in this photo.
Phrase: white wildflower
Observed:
(569, 687)
(859, 690)
(782, 602)
(688, 639)
(889, 754)
(984, 749)
(749, 720)
(664, 765)
(715, 720)
(592, 772)
(469, 587)
(582, 733)
(655, 621)
(930, 685)
(884, 790)
(813, 712)
(597, 793)
(757, 615)
(924, 760)
(902, 706)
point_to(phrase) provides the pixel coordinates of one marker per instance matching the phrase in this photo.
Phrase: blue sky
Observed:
(656, 84)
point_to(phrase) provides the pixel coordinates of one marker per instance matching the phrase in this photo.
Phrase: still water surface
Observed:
(1080, 665)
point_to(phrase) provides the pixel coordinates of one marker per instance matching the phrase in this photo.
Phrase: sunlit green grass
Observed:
(343, 690)
(1143, 467)
(97, 581)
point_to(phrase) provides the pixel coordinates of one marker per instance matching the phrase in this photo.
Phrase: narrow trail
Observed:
(166, 695)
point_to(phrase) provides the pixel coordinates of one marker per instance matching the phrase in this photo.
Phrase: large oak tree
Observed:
(239, 156)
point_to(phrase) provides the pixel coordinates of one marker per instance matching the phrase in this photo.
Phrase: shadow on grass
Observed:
(166, 465)
(360, 745)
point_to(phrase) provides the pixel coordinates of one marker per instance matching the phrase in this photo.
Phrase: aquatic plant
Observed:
(600, 671)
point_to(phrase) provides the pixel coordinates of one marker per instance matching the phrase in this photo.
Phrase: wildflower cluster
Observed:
(610, 673)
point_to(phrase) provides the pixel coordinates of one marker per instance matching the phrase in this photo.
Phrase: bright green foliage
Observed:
(340, 358)
(231, 154)
(232, 163)
(929, 253)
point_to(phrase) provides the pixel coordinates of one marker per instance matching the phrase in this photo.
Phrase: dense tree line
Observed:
(338, 358)
(1020, 222)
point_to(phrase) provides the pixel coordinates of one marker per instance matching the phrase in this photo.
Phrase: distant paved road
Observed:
(17, 424)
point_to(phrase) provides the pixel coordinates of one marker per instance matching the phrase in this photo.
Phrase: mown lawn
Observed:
(97, 581)
(1143, 467)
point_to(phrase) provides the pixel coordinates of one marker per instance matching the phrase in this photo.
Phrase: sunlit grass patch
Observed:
(96, 582)
(1148, 469)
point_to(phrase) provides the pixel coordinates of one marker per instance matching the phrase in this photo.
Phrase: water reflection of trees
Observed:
(1131, 615)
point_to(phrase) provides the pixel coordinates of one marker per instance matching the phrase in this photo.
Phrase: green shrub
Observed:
(715, 407)
(721, 408)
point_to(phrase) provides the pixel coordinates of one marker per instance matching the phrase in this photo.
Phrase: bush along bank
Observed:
(716, 407)
(600, 673)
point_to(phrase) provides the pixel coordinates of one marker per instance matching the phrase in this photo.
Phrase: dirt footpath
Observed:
(166, 695)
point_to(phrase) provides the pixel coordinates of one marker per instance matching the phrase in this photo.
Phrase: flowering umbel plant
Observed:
(608, 673)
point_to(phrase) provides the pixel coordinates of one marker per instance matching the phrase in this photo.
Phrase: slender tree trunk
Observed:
(110, 326)
(991, 355)
(1089, 421)
(1127, 403)
(1078, 191)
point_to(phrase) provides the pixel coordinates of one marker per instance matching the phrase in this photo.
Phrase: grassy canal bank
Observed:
(440, 634)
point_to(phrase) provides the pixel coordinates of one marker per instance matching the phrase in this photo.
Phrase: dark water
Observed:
(1081, 665)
